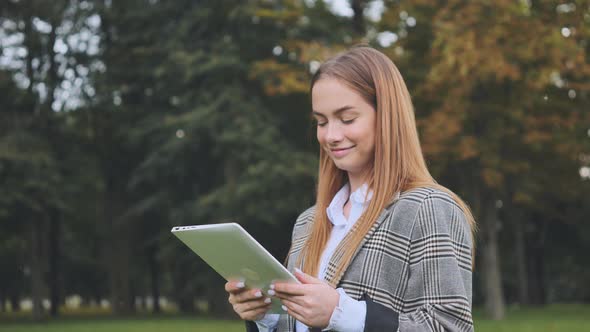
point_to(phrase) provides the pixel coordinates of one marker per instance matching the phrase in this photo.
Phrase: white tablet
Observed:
(235, 254)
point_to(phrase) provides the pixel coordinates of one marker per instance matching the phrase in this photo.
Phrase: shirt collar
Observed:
(335, 210)
(362, 195)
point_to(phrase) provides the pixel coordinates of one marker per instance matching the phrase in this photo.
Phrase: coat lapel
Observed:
(336, 258)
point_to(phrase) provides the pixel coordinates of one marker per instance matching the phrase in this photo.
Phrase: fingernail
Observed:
(240, 284)
(284, 308)
(272, 286)
(267, 300)
(270, 292)
(258, 294)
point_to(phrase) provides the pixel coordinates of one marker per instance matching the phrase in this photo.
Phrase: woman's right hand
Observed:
(249, 304)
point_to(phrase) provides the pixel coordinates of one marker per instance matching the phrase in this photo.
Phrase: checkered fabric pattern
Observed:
(415, 261)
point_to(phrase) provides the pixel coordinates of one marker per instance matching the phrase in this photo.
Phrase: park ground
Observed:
(552, 318)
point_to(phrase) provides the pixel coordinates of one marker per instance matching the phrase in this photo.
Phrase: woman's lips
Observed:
(339, 153)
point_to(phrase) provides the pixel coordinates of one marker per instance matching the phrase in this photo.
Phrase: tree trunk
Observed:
(536, 270)
(183, 297)
(52, 75)
(28, 32)
(490, 261)
(132, 295)
(184, 301)
(358, 18)
(36, 271)
(117, 234)
(155, 278)
(521, 260)
(36, 233)
(54, 261)
(14, 301)
(117, 242)
(119, 278)
(217, 299)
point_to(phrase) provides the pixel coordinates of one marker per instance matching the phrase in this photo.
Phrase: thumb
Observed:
(306, 278)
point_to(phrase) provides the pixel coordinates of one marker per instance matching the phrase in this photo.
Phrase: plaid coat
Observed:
(413, 268)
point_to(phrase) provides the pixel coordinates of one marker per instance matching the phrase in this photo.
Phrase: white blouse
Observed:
(350, 314)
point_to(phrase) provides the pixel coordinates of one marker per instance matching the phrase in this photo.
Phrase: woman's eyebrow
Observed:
(336, 111)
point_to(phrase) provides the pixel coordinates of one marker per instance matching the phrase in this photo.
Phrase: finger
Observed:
(290, 288)
(306, 278)
(251, 305)
(234, 286)
(296, 311)
(249, 295)
(256, 314)
(299, 299)
(245, 307)
(244, 295)
(295, 306)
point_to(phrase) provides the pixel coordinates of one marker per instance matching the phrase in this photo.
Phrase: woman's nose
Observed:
(334, 133)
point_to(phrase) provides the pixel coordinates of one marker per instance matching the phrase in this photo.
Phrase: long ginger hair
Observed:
(398, 164)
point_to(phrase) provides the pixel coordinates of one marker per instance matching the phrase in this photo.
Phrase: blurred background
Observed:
(122, 119)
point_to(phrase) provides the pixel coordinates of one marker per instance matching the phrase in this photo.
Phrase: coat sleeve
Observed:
(438, 292)
(251, 326)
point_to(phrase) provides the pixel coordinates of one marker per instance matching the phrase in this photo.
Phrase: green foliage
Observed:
(198, 112)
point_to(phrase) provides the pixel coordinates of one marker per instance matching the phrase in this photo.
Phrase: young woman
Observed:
(385, 248)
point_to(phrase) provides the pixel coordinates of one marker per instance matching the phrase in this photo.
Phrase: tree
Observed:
(482, 103)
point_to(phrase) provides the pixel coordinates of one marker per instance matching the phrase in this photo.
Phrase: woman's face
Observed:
(345, 125)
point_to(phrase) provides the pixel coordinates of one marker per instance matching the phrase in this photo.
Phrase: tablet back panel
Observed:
(234, 254)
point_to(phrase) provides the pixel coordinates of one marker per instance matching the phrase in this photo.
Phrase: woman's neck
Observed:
(356, 180)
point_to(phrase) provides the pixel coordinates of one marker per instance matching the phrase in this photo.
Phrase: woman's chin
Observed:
(345, 167)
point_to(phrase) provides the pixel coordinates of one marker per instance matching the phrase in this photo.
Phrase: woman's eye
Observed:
(321, 124)
(348, 121)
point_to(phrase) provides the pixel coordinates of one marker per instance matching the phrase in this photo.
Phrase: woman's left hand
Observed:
(311, 302)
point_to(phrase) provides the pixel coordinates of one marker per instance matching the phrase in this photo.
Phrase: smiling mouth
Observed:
(342, 149)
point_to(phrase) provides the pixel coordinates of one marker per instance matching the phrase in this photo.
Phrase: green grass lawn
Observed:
(554, 318)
